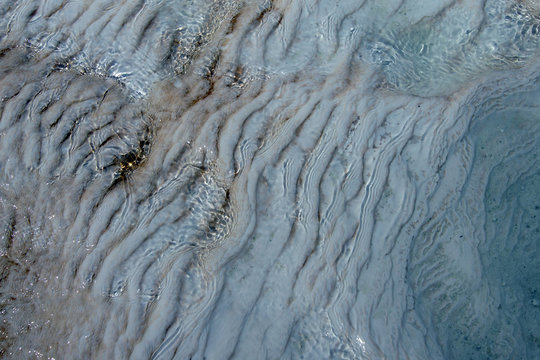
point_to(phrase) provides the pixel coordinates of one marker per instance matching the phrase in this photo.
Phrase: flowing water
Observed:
(261, 179)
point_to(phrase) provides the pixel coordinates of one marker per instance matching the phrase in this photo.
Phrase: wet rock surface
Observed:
(269, 180)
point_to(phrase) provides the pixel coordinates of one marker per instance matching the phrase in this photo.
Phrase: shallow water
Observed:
(270, 180)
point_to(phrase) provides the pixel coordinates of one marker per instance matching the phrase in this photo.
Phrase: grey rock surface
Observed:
(193, 179)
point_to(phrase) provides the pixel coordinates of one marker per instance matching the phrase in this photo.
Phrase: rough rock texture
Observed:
(193, 179)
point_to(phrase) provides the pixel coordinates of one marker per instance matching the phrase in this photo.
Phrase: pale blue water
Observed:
(269, 180)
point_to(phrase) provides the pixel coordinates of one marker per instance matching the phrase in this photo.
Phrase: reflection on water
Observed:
(317, 180)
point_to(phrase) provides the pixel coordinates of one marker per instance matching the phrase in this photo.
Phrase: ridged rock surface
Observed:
(192, 179)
